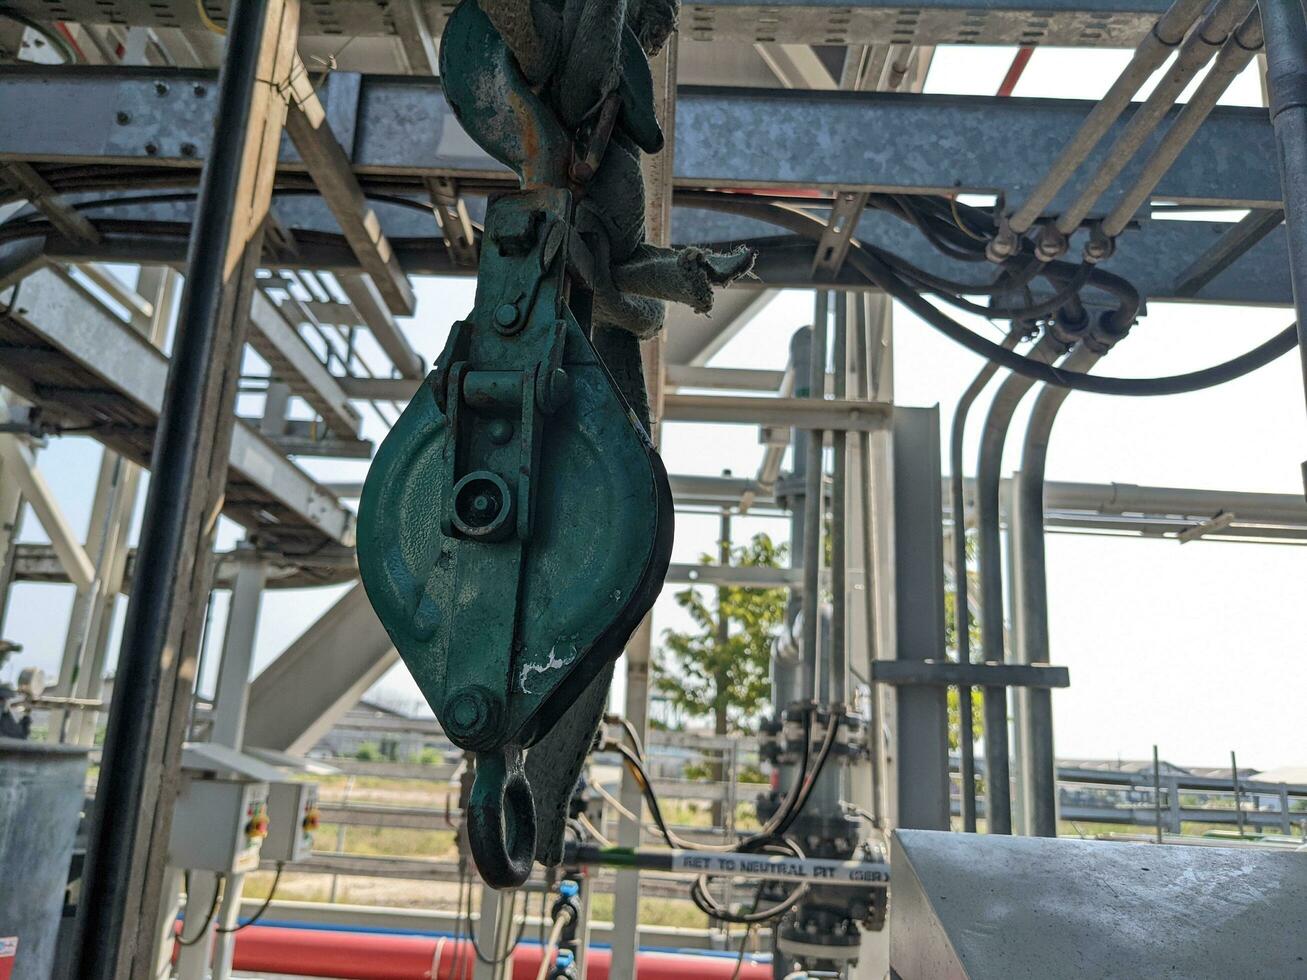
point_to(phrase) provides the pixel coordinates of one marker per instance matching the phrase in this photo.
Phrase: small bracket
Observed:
(948, 673)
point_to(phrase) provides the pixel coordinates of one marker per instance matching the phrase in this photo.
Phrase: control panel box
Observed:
(292, 818)
(219, 825)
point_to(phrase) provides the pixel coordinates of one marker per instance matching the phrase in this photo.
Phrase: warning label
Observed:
(8, 956)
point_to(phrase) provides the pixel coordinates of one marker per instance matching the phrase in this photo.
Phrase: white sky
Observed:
(1198, 648)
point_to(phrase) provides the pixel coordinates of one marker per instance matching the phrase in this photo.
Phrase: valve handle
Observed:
(501, 818)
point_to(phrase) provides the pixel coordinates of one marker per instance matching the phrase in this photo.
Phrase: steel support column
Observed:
(922, 738)
(116, 491)
(125, 863)
(1286, 80)
(658, 222)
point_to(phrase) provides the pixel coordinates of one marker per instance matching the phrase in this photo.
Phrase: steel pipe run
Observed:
(998, 788)
(1197, 49)
(1031, 588)
(1165, 36)
(1234, 57)
(839, 515)
(1285, 28)
(812, 505)
(961, 598)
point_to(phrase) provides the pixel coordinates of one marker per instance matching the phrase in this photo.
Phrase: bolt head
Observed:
(470, 715)
(506, 315)
(123, 118)
(501, 430)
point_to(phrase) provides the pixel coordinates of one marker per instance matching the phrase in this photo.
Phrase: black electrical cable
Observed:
(272, 891)
(784, 817)
(512, 948)
(880, 275)
(710, 907)
(219, 887)
(180, 197)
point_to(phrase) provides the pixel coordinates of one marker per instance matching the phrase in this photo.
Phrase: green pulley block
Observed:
(516, 523)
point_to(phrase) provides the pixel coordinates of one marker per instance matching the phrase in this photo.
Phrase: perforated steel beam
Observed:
(1079, 23)
(724, 137)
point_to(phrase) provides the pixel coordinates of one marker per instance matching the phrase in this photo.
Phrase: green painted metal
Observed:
(516, 524)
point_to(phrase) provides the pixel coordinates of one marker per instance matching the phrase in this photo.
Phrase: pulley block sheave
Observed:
(516, 523)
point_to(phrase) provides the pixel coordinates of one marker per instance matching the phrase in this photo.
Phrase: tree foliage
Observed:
(702, 676)
(951, 643)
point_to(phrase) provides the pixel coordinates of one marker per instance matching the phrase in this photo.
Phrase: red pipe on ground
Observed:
(372, 956)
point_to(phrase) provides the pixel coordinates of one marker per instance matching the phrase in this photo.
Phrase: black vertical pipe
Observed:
(1285, 30)
(998, 787)
(961, 599)
(116, 842)
(1031, 572)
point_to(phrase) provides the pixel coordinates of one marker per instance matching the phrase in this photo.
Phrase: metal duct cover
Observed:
(1029, 908)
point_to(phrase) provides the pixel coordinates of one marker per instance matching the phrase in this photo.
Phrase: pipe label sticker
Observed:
(8, 956)
(778, 866)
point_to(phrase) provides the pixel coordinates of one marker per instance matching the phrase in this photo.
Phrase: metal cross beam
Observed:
(76, 348)
(330, 167)
(724, 137)
(294, 362)
(1077, 23)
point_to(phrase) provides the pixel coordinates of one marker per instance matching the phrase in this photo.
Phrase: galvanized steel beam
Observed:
(301, 694)
(93, 340)
(1075, 23)
(724, 137)
(293, 362)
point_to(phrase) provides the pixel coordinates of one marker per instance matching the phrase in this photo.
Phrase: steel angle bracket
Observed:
(516, 524)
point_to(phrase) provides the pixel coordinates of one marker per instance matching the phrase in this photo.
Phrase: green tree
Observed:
(721, 669)
(951, 643)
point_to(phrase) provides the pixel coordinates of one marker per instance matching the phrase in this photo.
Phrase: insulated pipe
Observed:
(1032, 590)
(1286, 80)
(1195, 52)
(839, 516)
(998, 800)
(1235, 55)
(812, 505)
(961, 600)
(1166, 34)
(343, 955)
